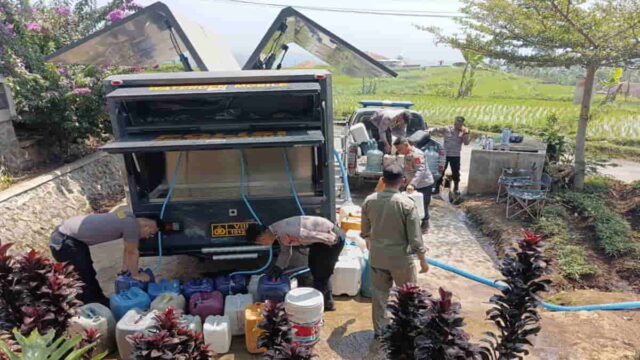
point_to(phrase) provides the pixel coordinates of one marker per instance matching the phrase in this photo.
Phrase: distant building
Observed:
(389, 62)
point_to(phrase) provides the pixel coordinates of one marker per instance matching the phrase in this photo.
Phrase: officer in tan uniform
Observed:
(391, 226)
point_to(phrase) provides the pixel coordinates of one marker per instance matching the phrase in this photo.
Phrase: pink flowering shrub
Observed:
(64, 103)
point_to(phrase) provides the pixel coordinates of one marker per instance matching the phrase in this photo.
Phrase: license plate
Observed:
(229, 229)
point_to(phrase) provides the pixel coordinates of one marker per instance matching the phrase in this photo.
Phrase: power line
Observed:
(407, 13)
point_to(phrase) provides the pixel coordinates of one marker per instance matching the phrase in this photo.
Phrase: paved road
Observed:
(623, 170)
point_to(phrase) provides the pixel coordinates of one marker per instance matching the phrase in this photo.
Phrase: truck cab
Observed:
(356, 157)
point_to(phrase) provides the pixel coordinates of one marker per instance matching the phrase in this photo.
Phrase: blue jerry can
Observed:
(134, 298)
(230, 285)
(163, 286)
(273, 289)
(125, 281)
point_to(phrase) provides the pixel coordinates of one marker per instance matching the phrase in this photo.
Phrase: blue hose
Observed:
(167, 198)
(290, 177)
(345, 179)
(300, 272)
(613, 306)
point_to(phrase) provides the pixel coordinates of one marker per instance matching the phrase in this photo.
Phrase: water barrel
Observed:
(374, 161)
(305, 307)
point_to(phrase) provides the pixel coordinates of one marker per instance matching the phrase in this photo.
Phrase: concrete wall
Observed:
(486, 167)
(30, 211)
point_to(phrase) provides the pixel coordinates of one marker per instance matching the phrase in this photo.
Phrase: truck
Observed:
(355, 154)
(220, 146)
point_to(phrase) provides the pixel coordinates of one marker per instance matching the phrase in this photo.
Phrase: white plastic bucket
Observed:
(305, 307)
(419, 199)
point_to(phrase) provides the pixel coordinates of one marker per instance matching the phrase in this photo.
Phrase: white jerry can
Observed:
(99, 317)
(134, 321)
(419, 199)
(192, 322)
(165, 300)
(217, 333)
(234, 307)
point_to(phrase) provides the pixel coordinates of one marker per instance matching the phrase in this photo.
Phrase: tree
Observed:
(468, 81)
(552, 33)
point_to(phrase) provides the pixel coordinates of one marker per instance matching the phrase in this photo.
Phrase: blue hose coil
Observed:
(172, 184)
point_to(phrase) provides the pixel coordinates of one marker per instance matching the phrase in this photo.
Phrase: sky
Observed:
(243, 25)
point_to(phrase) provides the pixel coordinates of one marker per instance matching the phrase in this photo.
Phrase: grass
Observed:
(612, 231)
(499, 99)
(5, 181)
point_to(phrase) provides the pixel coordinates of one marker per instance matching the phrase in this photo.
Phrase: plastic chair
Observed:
(531, 201)
(518, 178)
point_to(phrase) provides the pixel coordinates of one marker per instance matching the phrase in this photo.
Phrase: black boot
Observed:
(455, 187)
(325, 288)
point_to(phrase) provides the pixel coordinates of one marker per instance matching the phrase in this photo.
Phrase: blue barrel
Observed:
(273, 289)
(163, 286)
(199, 285)
(230, 285)
(125, 281)
(133, 298)
(365, 284)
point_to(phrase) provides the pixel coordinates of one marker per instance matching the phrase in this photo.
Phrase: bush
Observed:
(573, 263)
(551, 226)
(597, 184)
(65, 104)
(612, 231)
(38, 347)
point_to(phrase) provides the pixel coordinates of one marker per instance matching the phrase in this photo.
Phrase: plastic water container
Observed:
(347, 276)
(229, 285)
(191, 322)
(374, 161)
(164, 300)
(253, 286)
(252, 318)
(366, 285)
(419, 199)
(99, 317)
(200, 285)
(268, 289)
(125, 281)
(359, 133)
(132, 322)
(163, 286)
(305, 307)
(372, 144)
(134, 298)
(505, 138)
(234, 306)
(217, 333)
(206, 304)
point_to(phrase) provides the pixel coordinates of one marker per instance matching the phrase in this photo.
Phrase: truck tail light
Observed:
(320, 77)
(116, 82)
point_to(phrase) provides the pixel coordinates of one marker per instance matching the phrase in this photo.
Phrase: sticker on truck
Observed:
(229, 229)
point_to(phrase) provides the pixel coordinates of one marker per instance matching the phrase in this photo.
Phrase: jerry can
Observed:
(134, 298)
(217, 333)
(132, 322)
(125, 281)
(165, 300)
(366, 284)
(99, 317)
(163, 286)
(234, 306)
(273, 289)
(252, 318)
(206, 304)
(191, 322)
(199, 285)
(230, 285)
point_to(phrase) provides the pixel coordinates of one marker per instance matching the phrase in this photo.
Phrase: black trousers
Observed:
(426, 192)
(455, 170)
(322, 262)
(77, 253)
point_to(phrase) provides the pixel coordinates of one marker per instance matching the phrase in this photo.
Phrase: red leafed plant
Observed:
(169, 339)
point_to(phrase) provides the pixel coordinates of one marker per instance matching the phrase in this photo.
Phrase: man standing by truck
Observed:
(70, 243)
(418, 175)
(391, 225)
(454, 137)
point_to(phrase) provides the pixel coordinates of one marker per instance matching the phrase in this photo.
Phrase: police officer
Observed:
(325, 242)
(417, 174)
(391, 226)
(70, 243)
(454, 136)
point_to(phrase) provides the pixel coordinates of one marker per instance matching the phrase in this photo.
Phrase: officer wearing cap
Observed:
(391, 226)
(454, 136)
(71, 240)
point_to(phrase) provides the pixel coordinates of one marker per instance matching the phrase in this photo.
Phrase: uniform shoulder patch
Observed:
(121, 214)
